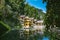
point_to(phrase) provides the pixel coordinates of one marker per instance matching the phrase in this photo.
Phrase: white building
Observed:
(39, 26)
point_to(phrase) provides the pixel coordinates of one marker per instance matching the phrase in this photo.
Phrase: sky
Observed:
(38, 4)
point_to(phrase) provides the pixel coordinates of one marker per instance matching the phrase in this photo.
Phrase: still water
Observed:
(45, 38)
(35, 36)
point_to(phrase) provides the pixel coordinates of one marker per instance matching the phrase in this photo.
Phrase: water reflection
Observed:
(45, 38)
(24, 35)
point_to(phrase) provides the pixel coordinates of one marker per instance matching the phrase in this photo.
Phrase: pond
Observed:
(34, 36)
(45, 38)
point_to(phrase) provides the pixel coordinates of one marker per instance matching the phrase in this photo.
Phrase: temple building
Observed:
(39, 26)
(21, 18)
(27, 24)
(31, 24)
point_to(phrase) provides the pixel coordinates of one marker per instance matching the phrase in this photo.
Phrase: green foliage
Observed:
(2, 23)
(52, 18)
(3, 28)
(33, 12)
(11, 10)
(11, 35)
(9, 13)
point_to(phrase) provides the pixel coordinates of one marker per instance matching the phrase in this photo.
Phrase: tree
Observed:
(33, 12)
(52, 18)
(10, 10)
